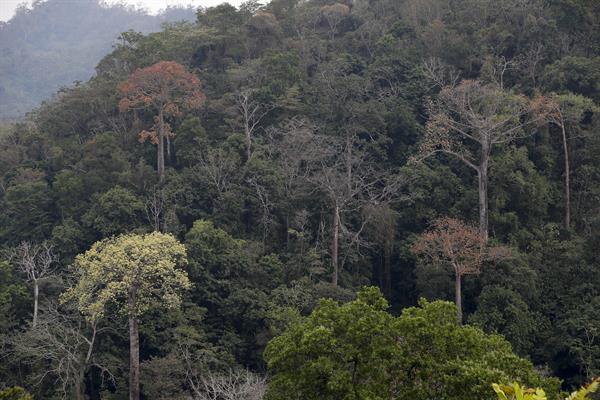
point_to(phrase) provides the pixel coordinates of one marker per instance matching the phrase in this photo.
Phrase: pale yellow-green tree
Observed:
(133, 273)
(518, 392)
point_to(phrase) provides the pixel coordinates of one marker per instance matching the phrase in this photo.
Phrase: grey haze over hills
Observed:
(56, 43)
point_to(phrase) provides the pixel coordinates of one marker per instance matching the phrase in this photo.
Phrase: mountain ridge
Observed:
(56, 43)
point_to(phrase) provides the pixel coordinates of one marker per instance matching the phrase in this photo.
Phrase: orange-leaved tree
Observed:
(166, 88)
(454, 242)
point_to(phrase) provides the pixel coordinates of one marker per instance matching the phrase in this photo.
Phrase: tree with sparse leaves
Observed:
(565, 111)
(467, 122)
(37, 262)
(459, 244)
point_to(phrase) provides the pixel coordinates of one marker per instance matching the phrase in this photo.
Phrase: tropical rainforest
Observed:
(311, 199)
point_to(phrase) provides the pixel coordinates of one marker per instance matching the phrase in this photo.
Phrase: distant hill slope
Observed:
(57, 42)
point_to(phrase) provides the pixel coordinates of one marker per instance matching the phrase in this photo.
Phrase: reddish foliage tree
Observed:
(166, 88)
(451, 241)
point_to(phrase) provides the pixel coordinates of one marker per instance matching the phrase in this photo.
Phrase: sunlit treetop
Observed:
(147, 265)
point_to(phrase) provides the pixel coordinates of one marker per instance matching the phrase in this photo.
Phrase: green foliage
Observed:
(60, 43)
(358, 350)
(114, 212)
(14, 298)
(579, 75)
(347, 88)
(505, 312)
(27, 212)
(339, 352)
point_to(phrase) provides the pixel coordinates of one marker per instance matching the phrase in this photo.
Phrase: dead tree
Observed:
(234, 385)
(231, 385)
(351, 184)
(156, 209)
(250, 114)
(61, 347)
(439, 73)
(219, 170)
(295, 147)
(265, 205)
(36, 262)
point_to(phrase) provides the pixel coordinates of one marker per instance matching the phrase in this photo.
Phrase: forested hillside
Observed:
(196, 198)
(55, 43)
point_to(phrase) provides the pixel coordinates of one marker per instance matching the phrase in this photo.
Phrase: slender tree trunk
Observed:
(387, 290)
(458, 289)
(335, 245)
(482, 176)
(169, 149)
(287, 230)
(134, 349)
(80, 381)
(247, 131)
(36, 295)
(567, 176)
(378, 269)
(248, 144)
(349, 164)
(161, 148)
(79, 385)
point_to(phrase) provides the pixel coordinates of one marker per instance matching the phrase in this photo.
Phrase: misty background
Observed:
(50, 44)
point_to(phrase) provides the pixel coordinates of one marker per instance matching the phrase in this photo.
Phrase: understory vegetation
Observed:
(311, 199)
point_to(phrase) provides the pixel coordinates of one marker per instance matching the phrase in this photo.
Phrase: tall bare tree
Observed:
(351, 184)
(37, 262)
(566, 112)
(250, 113)
(467, 122)
(296, 147)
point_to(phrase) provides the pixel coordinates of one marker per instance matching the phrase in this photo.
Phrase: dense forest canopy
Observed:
(435, 151)
(55, 43)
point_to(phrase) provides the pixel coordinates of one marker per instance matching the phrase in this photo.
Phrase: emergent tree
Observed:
(165, 88)
(133, 272)
(565, 111)
(467, 121)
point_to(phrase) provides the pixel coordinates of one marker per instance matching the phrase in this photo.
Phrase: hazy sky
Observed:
(7, 7)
